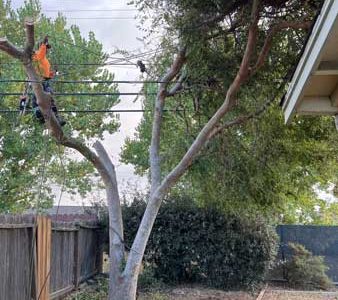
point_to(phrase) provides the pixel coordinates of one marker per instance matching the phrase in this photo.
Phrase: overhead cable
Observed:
(86, 94)
(90, 81)
(88, 10)
(97, 111)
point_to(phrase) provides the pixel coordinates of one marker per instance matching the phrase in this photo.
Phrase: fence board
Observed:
(88, 252)
(15, 261)
(73, 251)
(62, 260)
(43, 257)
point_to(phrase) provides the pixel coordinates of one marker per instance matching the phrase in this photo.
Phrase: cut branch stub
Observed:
(29, 24)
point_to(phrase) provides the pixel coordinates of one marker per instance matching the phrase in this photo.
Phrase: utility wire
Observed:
(115, 60)
(90, 81)
(88, 10)
(86, 94)
(102, 18)
(78, 64)
(102, 54)
(4, 111)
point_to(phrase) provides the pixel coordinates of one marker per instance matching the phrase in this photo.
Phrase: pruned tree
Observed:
(124, 275)
(26, 154)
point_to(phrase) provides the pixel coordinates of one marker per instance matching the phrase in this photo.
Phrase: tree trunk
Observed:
(124, 288)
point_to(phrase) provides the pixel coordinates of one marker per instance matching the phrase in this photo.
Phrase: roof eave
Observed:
(310, 58)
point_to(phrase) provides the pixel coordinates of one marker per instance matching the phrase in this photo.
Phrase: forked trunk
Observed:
(124, 288)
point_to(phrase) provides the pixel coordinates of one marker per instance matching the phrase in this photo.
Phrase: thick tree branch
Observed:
(115, 199)
(155, 168)
(116, 243)
(269, 39)
(29, 24)
(10, 49)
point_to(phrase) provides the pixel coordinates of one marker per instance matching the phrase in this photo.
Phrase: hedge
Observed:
(189, 244)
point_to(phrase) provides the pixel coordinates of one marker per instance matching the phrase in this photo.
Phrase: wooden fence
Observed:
(42, 259)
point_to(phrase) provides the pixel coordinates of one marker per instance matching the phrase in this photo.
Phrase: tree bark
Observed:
(116, 243)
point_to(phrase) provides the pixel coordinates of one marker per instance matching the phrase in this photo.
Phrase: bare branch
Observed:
(10, 49)
(154, 156)
(29, 24)
(269, 38)
(177, 87)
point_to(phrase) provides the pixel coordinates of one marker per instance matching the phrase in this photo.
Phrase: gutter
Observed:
(311, 57)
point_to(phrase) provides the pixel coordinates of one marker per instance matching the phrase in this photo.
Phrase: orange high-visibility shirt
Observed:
(43, 67)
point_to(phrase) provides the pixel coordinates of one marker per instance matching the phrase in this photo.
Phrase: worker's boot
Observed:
(61, 121)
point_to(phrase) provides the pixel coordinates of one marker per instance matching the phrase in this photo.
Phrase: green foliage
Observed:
(262, 165)
(30, 162)
(306, 271)
(196, 245)
(148, 281)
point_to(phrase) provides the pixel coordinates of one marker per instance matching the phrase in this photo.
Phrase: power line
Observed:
(102, 55)
(79, 64)
(88, 10)
(86, 94)
(116, 61)
(102, 18)
(90, 81)
(97, 111)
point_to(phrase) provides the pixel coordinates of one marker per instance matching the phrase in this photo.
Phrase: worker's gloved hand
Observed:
(46, 42)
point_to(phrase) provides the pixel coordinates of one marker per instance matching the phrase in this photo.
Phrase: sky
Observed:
(112, 33)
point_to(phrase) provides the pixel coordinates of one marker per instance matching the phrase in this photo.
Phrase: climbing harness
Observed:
(24, 103)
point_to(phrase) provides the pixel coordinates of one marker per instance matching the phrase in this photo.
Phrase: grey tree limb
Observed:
(154, 156)
(29, 24)
(10, 49)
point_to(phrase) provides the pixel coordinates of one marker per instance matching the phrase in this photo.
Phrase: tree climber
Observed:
(44, 70)
(23, 104)
(142, 66)
(24, 100)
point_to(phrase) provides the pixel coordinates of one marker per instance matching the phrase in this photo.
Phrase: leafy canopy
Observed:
(263, 164)
(30, 162)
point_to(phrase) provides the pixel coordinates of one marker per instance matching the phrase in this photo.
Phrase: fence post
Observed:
(77, 263)
(44, 233)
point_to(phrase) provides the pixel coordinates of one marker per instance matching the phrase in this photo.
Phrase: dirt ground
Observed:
(299, 295)
(195, 293)
(98, 291)
(185, 293)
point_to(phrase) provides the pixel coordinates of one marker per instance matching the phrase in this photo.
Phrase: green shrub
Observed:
(148, 281)
(306, 271)
(196, 245)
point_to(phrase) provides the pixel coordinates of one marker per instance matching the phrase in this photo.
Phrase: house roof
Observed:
(314, 87)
